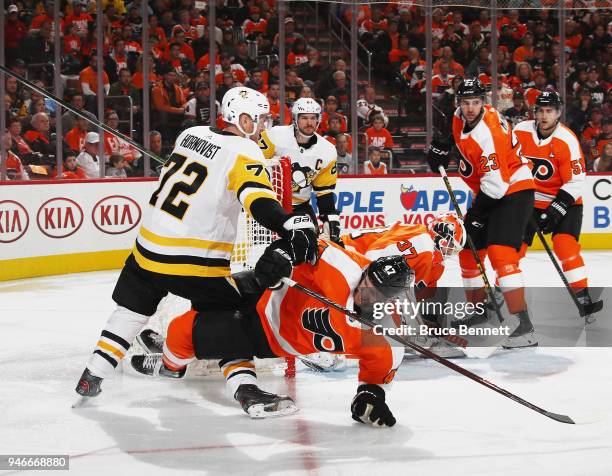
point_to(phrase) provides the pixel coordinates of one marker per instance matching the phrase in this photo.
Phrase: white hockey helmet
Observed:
(305, 106)
(243, 100)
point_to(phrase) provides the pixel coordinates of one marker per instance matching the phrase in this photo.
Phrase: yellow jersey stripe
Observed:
(185, 242)
(238, 366)
(180, 269)
(251, 197)
(110, 348)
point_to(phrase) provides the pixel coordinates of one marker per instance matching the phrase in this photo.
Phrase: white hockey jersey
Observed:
(190, 227)
(313, 168)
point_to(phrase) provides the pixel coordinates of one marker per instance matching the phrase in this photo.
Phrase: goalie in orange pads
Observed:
(285, 322)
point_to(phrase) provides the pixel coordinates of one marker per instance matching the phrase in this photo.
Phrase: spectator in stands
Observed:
(75, 137)
(168, 104)
(541, 37)
(579, 77)
(70, 168)
(275, 105)
(88, 158)
(366, 108)
(69, 118)
(451, 38)
(378, 135)
(519, 111)
(524, 77)
(593, 86)
(254, 24)
(373, 166)
(447, 56)
(227, 66)
(198, 107)
(38, 47)
(330, 109)
(475, 39)
(118, 166)
(590, 133)
(507, 39)
(114, 145)
(400, 54)
(524, 52)
(307, 92)
(340, 89)
(297, 54)
(344, 160)
(125, 87)
(242, 56)
(227, 84)
(80, 18)
(441, 81)
(19, 146)
(540, 84)
(480, 64)
(256, 81)
(38, 138)
(178, 61)
(539, 61)
(156, 143)
(457, 22)
(293, 85)
(88, 78)
(11, 89)
(290, 34)
(15, 170)
(603, 163)
(14, 32)
(447, 105)
(327, 83)
(579, 111)
(334, 128)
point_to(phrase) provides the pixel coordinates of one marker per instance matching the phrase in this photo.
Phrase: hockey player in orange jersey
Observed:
(285, 322)
(424, 249)
(559, 173)
(500, 178)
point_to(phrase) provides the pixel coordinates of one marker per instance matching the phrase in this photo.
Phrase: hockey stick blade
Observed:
(591, 308)
(441, 360)
(586, 419)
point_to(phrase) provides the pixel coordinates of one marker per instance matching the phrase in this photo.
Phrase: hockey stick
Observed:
(441, 360)
(80, 114)
(470, 242)
(583, 310)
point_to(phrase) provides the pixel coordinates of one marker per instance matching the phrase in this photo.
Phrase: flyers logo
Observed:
(325, 338)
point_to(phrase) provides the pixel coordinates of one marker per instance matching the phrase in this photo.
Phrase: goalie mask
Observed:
(305, 106)
(242, 100)
(385, 279)
(448, 234)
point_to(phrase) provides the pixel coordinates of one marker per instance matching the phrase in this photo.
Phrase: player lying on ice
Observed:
(284, 322)
(425, 248)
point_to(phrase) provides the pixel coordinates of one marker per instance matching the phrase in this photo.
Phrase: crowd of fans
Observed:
(247, 40)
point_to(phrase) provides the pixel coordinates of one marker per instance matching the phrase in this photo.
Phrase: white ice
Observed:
(447, 424)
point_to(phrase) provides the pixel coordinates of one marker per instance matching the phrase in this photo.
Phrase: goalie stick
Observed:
(441, 360)
(583, 310)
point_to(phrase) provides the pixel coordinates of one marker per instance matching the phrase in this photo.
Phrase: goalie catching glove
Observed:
(369, 407)
(299, 231)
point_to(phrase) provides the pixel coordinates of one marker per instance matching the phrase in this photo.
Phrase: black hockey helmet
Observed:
(390, 274)
(549, 99)
(470, 88)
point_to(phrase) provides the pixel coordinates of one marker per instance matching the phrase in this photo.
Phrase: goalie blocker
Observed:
(285, 322)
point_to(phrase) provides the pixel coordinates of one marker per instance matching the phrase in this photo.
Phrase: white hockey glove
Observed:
(331, 228)
(300, 232)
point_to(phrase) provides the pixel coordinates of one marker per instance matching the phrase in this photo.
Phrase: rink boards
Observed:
(72, 226)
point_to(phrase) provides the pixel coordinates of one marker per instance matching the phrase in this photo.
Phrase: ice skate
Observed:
(524, 335)
(259, 404)
(89, 386)
(152, 365)
(151, 341)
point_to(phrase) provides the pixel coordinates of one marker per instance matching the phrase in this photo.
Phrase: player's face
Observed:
(547, 117)
(471, 108)
(307, 123)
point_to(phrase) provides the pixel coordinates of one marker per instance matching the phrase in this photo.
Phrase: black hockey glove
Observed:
(369, 406)
(331, 228)
(300, 232)
(477, 216)
(438, 154)
(274, 265)
(550, 218)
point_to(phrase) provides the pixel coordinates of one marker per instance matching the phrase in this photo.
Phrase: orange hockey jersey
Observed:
(558, 162)
(412, 241)
(491, 159)
(296, 324)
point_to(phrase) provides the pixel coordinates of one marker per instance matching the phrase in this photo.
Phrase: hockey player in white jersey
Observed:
(188, 232)
(313, 163)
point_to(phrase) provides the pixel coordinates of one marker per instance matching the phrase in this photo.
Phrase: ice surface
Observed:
(446, 423)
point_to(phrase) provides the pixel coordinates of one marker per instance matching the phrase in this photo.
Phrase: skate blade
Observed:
(275, 410)
(520, 346)
(82, 402)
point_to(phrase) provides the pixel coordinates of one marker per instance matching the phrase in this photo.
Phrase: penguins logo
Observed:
(301, 177)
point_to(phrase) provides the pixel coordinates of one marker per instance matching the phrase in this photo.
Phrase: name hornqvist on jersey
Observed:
(199, 145)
